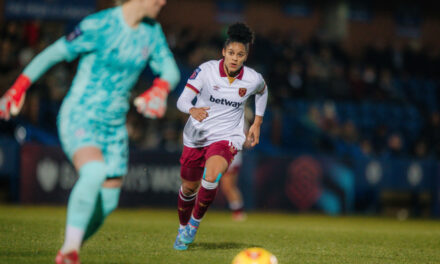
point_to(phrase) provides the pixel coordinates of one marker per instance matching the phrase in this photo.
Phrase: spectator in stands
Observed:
(295, 79)
(432, 133)
(420, 149)
(395, 146)
(310, 69)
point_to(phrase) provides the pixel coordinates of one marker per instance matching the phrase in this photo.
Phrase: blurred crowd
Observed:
(381, 101)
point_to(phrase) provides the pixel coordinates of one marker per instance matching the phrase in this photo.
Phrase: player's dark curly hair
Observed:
(239, 32)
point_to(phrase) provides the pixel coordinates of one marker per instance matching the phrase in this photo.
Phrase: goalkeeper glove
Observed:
(12, 101)
(153, 102)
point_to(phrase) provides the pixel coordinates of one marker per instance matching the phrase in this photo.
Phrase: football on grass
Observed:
(255, 256)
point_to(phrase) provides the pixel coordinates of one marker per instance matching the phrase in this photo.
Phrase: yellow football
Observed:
(255, 256)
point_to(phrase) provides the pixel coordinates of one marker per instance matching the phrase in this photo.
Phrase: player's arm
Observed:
(253, 136)
(77, 42)
(153, 102)
(193, 87)
(184, 104)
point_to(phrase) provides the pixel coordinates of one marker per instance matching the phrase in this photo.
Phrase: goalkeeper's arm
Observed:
(12, 101)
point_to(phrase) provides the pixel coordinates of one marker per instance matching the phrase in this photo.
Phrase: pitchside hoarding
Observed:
(10, 165)
(293, 183)
(47, 177)
(319, 182)
(303, 183)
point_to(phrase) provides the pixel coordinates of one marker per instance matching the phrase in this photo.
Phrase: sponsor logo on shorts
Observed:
(224, 101)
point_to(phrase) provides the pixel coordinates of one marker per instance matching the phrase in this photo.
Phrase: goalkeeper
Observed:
(113, 46)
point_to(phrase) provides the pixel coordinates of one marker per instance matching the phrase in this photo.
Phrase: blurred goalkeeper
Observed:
(114, 46)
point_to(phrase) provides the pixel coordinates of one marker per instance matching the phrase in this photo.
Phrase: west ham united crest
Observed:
(242, 92)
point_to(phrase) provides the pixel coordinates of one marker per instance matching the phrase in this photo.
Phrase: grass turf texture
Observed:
(34, 234)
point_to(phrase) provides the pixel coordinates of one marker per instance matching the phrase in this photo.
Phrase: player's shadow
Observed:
(220, 245)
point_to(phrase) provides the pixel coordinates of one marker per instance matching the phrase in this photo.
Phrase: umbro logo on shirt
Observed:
(224, 101)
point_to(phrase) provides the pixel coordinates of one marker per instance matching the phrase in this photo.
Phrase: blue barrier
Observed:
(310, 182)
(10, 164)
(276, 182)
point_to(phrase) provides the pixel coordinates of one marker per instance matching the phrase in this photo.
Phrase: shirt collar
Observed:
(223, 73)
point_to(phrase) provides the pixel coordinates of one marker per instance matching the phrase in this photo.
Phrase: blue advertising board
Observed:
(291, 182)
(334, 186)
(10, 164)
(299, 183)
(47, 177)
(49, 9)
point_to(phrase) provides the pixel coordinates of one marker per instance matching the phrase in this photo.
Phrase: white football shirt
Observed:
(226, 98)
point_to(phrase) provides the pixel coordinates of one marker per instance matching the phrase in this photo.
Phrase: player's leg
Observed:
(90, 164)
(185, 202)
(191, 171)
(232, 192)
(107, 202)
(188, 190)
(110, 192)
(115, 152)
(96, 220)
(215, 166)
(218, 157)
(79, 144)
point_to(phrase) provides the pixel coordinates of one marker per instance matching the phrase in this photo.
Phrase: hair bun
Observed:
(240, 32)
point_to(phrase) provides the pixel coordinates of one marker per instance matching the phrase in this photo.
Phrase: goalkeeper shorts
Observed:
(77, 131)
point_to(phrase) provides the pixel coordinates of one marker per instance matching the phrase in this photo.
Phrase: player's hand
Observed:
(153, 102)
(247, 143)
(253, 137)
(12, 101)
(199, 113)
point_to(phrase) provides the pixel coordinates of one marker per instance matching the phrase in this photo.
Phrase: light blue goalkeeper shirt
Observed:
(112, 56)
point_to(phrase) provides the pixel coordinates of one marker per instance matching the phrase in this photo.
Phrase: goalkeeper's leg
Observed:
(107, 202)
(83, 198)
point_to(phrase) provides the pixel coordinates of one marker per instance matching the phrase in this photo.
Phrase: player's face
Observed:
(152, 7)
(235, 55)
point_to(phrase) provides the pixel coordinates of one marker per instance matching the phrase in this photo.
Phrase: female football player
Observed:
(114, 46)
(214, 131)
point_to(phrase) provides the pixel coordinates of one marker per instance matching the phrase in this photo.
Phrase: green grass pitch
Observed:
(34, 234)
